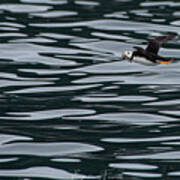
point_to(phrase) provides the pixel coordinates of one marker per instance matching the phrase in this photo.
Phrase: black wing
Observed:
(155, 44)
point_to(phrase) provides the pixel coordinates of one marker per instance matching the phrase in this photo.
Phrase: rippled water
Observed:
(71, 108)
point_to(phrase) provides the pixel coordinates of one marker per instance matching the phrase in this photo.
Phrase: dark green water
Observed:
(70, 108)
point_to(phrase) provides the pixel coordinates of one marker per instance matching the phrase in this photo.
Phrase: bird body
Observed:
(149, 56)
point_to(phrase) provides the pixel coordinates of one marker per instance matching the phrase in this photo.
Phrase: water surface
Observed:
(71, 108)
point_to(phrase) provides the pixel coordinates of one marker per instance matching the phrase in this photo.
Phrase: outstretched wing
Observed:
(155, 44)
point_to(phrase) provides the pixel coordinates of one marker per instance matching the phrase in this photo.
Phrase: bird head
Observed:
(127, 54)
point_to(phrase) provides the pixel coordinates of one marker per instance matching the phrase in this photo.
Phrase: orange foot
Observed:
(166, 62)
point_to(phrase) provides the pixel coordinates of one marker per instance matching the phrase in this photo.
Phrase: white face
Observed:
(127, 54)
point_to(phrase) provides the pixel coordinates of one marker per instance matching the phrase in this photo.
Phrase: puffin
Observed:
(149, 56)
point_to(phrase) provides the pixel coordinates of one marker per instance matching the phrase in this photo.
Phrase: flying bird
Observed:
(150, 54)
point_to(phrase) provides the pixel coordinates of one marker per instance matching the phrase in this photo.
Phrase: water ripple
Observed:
(47, 149)
(22, 8)
(44, 172)
(133, 166)
(69, 103)
(127, 118)
(42, 115)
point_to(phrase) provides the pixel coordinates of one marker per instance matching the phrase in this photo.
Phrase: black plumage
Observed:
(151, 52)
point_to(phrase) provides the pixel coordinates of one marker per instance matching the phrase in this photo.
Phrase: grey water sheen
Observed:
(70, 108)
